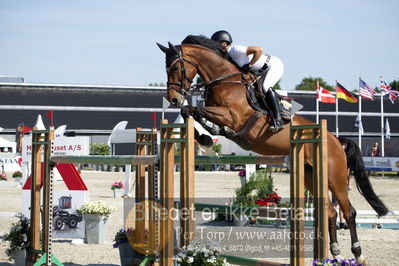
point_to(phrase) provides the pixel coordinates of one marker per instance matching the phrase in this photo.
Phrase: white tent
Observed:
(8, 156)
(8, 146)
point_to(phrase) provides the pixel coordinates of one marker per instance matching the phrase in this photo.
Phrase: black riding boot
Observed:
(273, 103)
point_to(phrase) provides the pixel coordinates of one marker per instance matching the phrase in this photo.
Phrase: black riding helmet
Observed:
(222, 35)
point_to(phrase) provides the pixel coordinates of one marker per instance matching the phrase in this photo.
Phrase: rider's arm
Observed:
(256, 52)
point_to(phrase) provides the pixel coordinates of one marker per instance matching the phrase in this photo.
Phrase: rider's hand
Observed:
(245, 69)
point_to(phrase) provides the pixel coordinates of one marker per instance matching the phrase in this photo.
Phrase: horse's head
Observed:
(180, 73)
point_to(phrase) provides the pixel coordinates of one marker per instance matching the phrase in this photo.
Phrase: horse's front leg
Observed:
(212, 119)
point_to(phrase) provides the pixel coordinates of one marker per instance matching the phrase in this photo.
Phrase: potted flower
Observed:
(17, 175)
(271, 206)
(336, 262)
(200, 254)
(95, 214)
(3, 177)
(116, 187)
(126, 252)
(260, 183)
(243, 176)
(19, 238)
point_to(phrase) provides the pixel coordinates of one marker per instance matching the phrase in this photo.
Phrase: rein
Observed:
(203, 86)
(214, 82)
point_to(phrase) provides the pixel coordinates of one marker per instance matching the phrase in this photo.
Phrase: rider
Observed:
(268, 68)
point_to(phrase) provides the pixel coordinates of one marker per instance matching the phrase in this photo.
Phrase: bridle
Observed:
(200, 87)
(183, 89)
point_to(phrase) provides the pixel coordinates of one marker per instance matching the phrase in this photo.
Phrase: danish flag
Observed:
(323, 95)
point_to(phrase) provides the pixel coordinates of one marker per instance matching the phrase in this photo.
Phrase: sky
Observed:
(114, 42)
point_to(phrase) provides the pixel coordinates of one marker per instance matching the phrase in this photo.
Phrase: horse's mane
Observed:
(210, 44)
(205, 42)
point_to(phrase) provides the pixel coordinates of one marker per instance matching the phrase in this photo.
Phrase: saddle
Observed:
(255, 95)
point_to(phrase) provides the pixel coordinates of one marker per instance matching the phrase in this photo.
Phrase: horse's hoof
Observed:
(205, 140)
(337, 257)
(362, 260)
(335, 251)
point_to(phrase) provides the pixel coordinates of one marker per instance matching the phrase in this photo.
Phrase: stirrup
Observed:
(273, 128)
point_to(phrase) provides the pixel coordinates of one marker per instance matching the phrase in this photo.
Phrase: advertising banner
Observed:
(62, 146)
(390, 164)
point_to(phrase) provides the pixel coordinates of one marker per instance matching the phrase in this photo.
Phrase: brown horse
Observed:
(228, 113)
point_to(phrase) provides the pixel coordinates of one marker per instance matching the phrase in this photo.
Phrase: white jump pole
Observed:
(128, 175)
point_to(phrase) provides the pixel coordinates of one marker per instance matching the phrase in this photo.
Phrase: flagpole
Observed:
(360, 121)
(317, 100)
(382, 125)
(317, 110)
(336, 112)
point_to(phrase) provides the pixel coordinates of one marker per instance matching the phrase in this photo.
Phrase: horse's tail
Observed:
(356, 165)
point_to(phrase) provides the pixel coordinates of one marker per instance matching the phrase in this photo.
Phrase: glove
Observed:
(245, 69)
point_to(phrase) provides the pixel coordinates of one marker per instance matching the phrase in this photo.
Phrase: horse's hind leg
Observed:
(332, 215)
(350, 217)
(332, 230)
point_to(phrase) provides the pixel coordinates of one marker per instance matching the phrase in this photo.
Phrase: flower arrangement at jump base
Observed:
(120, 238)
(19, 236)
(271, 200)
(116, 188)
(201, 254)
(336, 262)
(97, 207)
(259, 193)
(17, 174)
(258, 186)
(124, 240)
(242, 173)
(117, 185)
(3, 177)
(123, 236)
(95, 215)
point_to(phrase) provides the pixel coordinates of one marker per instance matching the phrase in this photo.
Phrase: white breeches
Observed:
(273, 74)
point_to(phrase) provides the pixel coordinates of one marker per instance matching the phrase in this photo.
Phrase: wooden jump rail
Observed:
(41, 144)
(243, 159)
(146, 146)
(169, 138)
(42, 140)
(106, 159)
(300, 136)
(314, 137)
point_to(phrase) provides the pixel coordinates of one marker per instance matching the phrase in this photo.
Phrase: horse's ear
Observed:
(174, 48)
(163, 48)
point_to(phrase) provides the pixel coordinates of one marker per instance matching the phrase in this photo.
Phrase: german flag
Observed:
(342, 93)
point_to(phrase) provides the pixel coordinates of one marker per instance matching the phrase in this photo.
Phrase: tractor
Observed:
(64, 214)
